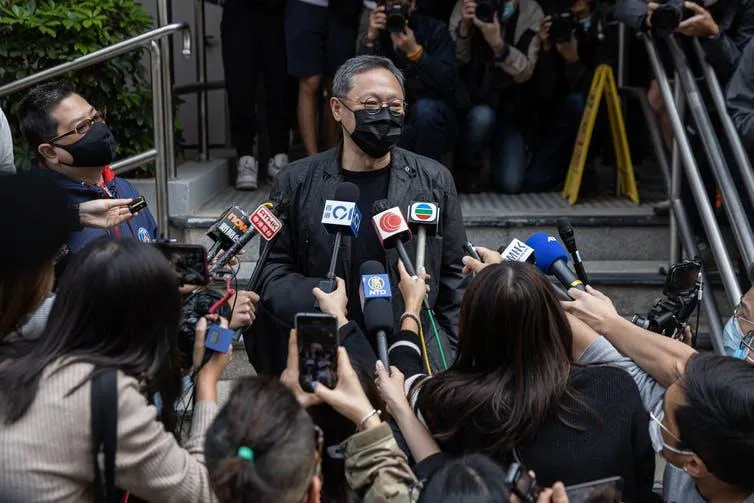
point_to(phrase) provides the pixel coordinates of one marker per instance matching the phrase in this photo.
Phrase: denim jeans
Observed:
(430, 128)
(509, 150)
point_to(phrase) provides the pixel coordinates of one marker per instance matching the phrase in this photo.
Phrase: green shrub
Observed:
(35, 35)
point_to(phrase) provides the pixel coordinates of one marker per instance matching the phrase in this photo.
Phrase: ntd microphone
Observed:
(376, 306)
(423, 219)
(553, 259)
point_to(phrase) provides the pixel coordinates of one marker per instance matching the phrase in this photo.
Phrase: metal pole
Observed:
(676, 179)
(653, 128)
(695, 181)
(163, 18)
(130, 163)
(201, 78)
(742, 159)
(738, 219)
(158, 106)
(621, 81)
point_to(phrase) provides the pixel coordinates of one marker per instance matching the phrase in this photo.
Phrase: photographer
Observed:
(497, 47)
(421, 48)
(113, 324)
(580, 41)
(701, 406)
(740, 98)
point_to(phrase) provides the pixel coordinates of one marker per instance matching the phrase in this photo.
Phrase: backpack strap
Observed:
(104, 419)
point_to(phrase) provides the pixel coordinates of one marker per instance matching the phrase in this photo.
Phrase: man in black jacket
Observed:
(421, 47)
(368, 102)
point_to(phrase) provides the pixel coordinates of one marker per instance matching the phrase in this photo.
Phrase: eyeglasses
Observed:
(82, 127)
(665, 445)
(396, 107)
(747, 341)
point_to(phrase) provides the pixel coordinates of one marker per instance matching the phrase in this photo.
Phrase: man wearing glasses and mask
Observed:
(74, 147)
(369, 103)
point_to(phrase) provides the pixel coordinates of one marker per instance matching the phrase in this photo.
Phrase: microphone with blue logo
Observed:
(552, 258)
(423, 219)
(376, 305)
(341, 216)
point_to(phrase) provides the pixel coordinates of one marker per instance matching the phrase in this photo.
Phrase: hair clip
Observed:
(246, 453)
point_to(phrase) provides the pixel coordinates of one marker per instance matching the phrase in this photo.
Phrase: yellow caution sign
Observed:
(602, 84)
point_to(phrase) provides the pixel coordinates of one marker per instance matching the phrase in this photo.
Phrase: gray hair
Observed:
(342, 83)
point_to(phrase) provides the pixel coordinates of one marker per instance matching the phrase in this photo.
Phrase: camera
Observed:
(681, 294)
(563, 25)
(667, 17)
(397, 17)
(485, 10)
(521, 483)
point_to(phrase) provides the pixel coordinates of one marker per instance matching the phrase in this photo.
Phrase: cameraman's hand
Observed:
(377, 20)
(209, 374)
(651, 7)
(392, 390)
(348, 397)
(335, 303)
(468, 12)
(555, 495)
(544, 33)
(569, 50)
(593, 308)
(105, 213)
(700, 24)
(244, 309)
(405, 40)
(491, 33)
(413, 289)
(290, 375)
(472, 265)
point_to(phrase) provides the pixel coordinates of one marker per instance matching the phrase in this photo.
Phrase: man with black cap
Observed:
(74, 147)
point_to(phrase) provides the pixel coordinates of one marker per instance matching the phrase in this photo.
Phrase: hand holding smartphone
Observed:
(317, 349)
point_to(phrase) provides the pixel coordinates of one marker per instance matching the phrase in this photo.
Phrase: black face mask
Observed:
(94, 150)
(376, 134)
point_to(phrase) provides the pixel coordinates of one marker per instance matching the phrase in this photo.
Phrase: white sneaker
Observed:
(275, 165)
(247, 173)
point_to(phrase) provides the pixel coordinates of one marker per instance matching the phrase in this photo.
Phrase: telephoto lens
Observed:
(397, 17)
(485, 10)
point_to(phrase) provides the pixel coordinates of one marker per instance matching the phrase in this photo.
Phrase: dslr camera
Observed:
(563, 25)
(667, 17)
(396, 17)
(681, 295)
(485, 9)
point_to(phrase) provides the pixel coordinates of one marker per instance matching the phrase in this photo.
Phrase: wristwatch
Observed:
(503, 55)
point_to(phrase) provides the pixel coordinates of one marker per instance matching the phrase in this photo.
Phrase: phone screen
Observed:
(608, 490)
(188, 261)
(317, 349)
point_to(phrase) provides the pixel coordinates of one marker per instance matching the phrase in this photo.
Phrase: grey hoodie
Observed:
(36, 323)
(7, 167)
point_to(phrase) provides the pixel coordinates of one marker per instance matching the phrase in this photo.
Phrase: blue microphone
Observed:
(377, 306)
(552, 258)
(341, 216)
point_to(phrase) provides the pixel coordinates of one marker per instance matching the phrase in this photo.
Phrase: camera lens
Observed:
(485, 11)
(665, 19)
(640, 321)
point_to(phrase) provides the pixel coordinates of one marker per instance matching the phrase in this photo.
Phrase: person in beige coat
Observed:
(117, 307)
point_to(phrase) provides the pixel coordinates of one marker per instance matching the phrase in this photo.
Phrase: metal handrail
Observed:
(131, 163)
(163, 133)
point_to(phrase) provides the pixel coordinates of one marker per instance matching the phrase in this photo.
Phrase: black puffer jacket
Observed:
(301, 255)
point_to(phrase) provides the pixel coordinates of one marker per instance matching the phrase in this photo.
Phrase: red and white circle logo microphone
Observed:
(390, 222)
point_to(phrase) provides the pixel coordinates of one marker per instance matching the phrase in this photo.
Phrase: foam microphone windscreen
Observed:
(347, 191)
(371, 267)
(380, 205)
(547, 250)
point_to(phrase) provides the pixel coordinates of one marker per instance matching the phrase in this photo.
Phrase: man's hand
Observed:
(377, 20)
(593, 308)
(651, 7)
(105, 213)
(335, 303)
(405, 40)
(569, 50)
(244, 309)
(468, 13)
(700, 24)
(544, 33)
(472, 265)
(491, 34)
(290, 375)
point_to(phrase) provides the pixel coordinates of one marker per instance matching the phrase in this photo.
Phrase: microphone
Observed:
(551, 258)
(340, 216)
(423, 220)
(518, 251)
(375, 304)
(569, 240)
(227, 230)
(264, 221)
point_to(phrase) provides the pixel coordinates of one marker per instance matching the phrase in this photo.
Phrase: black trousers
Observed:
(253, 43)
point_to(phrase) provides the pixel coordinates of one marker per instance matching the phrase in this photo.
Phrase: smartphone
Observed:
(138, 204)
(521, 483)
(189, 262)
(317, 349)
(609, 490)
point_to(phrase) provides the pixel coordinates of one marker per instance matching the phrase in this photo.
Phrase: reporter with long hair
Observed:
(514, 392)
(117, 308)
